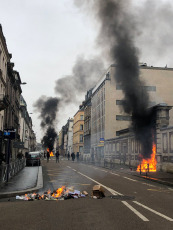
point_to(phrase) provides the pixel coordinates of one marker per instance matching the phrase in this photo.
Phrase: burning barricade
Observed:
(62, 193)
(148, 165)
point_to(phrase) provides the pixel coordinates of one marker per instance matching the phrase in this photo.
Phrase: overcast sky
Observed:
(45, 38)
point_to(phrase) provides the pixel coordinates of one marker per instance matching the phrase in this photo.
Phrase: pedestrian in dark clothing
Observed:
(68, 155)
(73, 156)
(48, 156)
(57, 156)
(44, 154)
(77, 155)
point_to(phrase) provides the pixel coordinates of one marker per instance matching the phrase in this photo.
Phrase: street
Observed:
(146, 205)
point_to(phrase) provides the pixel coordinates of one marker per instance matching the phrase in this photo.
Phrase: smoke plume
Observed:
(85, 74)
(117, 39)
(49, 138)
(48, 108)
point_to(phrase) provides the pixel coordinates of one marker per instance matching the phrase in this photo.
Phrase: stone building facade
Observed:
(87, 123)
(107, 117)
(78, 131)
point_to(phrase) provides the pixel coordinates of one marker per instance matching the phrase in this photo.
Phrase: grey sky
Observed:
(46, 37)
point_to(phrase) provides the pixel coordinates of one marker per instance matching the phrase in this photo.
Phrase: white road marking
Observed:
(157, 213)
(129, 179)
(114, 174)
(104, 170)
(135, 211)
(74, 170)
(149, 185)
(69, 167)
(113, 192)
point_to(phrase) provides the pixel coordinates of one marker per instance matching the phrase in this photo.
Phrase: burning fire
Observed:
(51, 153)
(149, 163)
(58, 192)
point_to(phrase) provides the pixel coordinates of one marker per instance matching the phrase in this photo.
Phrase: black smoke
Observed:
(116, 37)
(49, 138)
(85, 74)
(48, 108)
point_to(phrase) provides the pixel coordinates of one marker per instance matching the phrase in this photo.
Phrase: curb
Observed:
(30, 190)
(156, 180)
(143, 177)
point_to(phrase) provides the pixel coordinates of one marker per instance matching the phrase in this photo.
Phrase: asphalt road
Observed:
(145, 204)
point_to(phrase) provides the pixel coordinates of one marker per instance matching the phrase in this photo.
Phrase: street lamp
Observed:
(23, 83)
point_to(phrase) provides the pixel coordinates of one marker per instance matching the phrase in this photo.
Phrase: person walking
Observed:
(48, 156)
(57, 156)
(73, 156)
(68, 155)
(77, 155)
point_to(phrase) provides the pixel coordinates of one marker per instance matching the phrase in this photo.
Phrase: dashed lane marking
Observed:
(113, 192)
(135, 211)
(149, 185)
(114, 174)
(104, 170)
(129, 179)
(151, 210)
(69, 167)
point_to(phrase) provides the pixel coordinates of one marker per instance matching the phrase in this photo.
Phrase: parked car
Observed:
(33, 158)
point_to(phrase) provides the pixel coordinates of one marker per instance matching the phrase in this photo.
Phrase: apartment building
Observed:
(87, 124)
(107, 116)
(78, 131)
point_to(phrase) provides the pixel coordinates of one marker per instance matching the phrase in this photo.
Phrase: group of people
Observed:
(73, 156)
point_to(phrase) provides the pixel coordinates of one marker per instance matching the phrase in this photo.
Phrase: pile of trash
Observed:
(63, 193)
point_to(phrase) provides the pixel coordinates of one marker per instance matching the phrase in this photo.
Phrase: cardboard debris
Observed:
(98, 192)
(85, 193)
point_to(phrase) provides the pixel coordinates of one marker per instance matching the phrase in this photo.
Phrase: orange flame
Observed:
(149, 163)
(51, 153)
(58, 192)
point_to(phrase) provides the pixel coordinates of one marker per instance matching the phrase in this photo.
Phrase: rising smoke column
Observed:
(48, 108)
(116, 37)
(84, 75)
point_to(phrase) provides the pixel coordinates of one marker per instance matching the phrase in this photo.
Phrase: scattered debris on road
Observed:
(98, 192)
(63, 193)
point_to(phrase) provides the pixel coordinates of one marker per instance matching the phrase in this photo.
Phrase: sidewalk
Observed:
(27, 180)
(159, 177)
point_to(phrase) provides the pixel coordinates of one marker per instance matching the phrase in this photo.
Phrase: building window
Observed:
(81, 137)
(118, 87)
(119, 102)
(123, 118)
(150, 88)
(81, 117)
(81, 127)
(152, 103)
(81, 149)
(118, 147)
